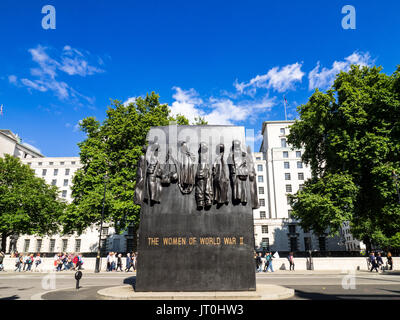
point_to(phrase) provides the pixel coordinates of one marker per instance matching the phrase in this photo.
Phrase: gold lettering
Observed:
(153, 241)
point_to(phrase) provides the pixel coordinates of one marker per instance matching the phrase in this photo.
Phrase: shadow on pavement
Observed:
(332, 296)
(14, 297)
(131, 281)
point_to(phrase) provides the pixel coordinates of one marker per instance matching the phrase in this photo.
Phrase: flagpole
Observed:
(284, 103)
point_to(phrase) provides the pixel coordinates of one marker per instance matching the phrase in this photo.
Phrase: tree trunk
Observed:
(4, 236)
(368, 245)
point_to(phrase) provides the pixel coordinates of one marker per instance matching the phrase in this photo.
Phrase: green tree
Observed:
(113, 147)
(27, 204)
(199, 121)
(351, 140)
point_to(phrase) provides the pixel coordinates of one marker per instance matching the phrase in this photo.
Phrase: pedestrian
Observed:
(119, 262)
(18, 262)
(128, 262)
(29, 262)
(2, 255)
(263, 261)
(75, 261)
(372, 260)
(258, 262)
(291, 261)
(80, 262)
(379, 260)
(134, 260)
(37, 262)
(269, 262)
(108, 259)
(390, 260)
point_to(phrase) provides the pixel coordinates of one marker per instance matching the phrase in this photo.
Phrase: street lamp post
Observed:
(101, 227)
(396, 179)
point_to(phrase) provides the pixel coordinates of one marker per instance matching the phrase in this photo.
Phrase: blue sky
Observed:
(228, 61)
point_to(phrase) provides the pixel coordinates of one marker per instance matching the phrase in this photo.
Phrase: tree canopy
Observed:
(27, 204)
(351, 140)
(113, 147)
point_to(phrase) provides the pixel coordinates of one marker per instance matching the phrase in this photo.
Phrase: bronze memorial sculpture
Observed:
(204, 239)
(204, 189)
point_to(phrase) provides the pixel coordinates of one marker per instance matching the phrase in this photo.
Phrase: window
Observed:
(300, 176)
(65, 182)
(260, 190)
(26, 245)
(265, 243)
(286, 165)
(260, 179)
(64, 245)
(51, 163)
(44, 171)
(299, 165)
(282, 130)
(104, 231)
(283, 143)
(292, 228)
(258, 158)
(52, 245)
(307, 243)
(72, 162)
(293, 244)
(260, 167)
(301, 187)
(38, 245)
(53, 182)
(39, 163)
(298, 154)
(29, 163)
(64, 193)
(262, 202)
(322, 243)
(288, 188)
(264, 229)
(263, 215)
(55, 172)
(285, 154)
(287, 176)
(67, 172)
(61, 163)
(77, 245)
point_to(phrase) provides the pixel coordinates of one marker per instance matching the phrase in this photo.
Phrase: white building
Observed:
(11, 144)
(59, 171)
(281, 173)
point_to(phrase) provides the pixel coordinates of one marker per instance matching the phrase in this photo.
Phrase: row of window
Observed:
(52, 245)
(286, 165)
(294, 245)
(62, 163)
(286, 154)
(290, 189)
(55, 172)
(54, 182)
(300, 176)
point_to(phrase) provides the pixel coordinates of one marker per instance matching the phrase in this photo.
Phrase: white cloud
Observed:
(130, 100)
(222, 111)
(279, 79)
(324, 78)
(12, 79)
(71, 62)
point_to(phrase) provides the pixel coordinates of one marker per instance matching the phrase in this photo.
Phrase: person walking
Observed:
(291, 261)
(29, 262)
(258, 262)
(390, 260)
(108, 259)
(269, 262)
(80, 262)
(37, 262)
(372, 260)
(134, 260)
(2, 255)
(18, 262)
(119, 262)
(113, 261)
(128, 262)
(379, 260)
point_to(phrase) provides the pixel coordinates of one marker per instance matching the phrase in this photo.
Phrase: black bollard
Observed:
(78, 276)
